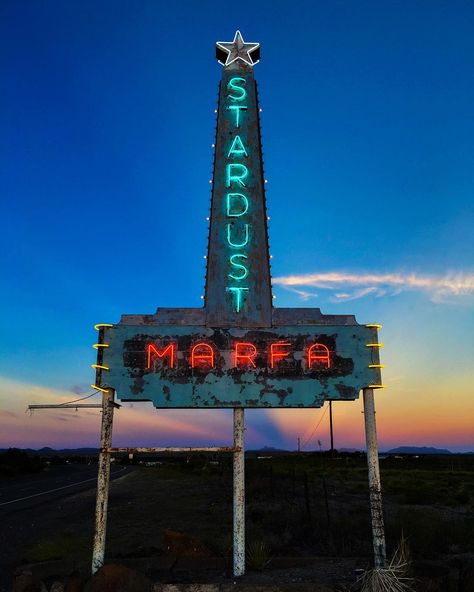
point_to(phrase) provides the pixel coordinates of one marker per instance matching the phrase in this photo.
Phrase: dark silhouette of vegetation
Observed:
(15, 462)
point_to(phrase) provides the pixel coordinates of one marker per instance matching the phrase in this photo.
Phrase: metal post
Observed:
(378, 533)
(103, 480)
(330, 428)
(239, 494)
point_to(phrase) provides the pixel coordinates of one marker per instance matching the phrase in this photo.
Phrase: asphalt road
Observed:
(34, 507)
(53, 483)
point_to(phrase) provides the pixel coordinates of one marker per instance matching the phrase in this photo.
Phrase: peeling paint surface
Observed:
(289, 384)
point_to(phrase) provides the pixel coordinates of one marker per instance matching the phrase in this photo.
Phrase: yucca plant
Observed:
(395, 577)
(258, 555)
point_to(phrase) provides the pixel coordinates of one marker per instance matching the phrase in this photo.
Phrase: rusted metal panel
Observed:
(290, 383)
(308, 316)
(197, 316)
(167, 316)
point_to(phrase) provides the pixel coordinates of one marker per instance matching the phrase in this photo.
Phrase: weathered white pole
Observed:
(103, 480)
(375, 492)
(239, 494)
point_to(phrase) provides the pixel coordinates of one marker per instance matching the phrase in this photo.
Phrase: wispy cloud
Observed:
(351, 286)
(303, 294)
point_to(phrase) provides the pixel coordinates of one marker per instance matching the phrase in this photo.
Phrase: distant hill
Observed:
(349, 450)
(51, 451)
(418, 450)
(268, 450)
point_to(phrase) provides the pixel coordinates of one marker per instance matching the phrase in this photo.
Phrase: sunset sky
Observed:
(107, 117)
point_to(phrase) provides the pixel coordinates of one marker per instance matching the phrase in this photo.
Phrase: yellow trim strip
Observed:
(99, 325)
(99, 388)
(375, 325)
(374, 386)
(100, 367)
(97, 345)
(371, 345)
(376, 366)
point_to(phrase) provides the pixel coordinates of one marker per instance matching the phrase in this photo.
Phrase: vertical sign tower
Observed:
(238, 290)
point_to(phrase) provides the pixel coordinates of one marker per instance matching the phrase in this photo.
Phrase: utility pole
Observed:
(299, 446)
(330, 428)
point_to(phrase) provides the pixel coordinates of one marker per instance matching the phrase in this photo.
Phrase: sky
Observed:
(107, 118)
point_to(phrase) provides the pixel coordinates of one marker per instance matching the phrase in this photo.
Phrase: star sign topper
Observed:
(229, 52)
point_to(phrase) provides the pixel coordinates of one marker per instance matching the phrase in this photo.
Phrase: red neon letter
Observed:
(319, 353)
(275, 355)
(202, 354)
(167, 352)
(245, 353)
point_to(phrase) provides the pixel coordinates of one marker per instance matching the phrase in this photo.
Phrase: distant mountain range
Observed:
(266, 449)
(47, 450)
(418, 450)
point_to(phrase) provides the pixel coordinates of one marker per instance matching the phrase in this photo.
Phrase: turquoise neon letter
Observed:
(236, 172)
(231, 85)
(237, 109)
(238, 297)
(242, 244)
(237, 147)
(245, 271)
(234, 201)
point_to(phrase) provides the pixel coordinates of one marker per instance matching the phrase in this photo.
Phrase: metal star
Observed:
(237, 49)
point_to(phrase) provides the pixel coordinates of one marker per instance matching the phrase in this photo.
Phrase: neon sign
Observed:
(167, 353)
(242, 244)
(238, 350)
(243, 354)
(318, 353)
(237, 204)
(276, 352)
(202, 354)
(233, 200)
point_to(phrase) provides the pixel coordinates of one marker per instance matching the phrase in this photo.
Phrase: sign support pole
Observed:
(103, 480)
(239, 494)
(378, 532)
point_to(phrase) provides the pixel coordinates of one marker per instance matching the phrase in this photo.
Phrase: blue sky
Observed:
(107, 112)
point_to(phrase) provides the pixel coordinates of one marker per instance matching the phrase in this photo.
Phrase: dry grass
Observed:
(395, 577)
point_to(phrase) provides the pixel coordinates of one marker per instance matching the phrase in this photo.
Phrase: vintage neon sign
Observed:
(234, 202)
(230, 240)
(202, 354)
(278, 351)
(237, 204)
(318, 353)
(243, 354)
(168, 353)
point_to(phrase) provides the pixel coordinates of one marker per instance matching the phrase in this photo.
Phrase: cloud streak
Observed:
(352, 286)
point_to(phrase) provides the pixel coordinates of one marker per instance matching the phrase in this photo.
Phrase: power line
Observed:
(66, 403)
(81, 399)
(317, 426)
